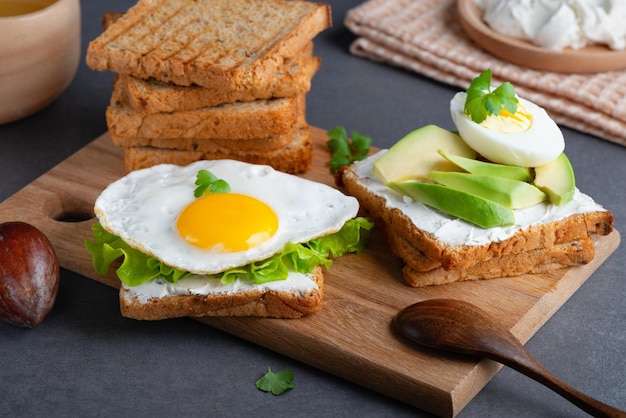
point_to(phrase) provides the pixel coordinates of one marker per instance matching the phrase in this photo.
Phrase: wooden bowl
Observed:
(591, 59)
(39, 55)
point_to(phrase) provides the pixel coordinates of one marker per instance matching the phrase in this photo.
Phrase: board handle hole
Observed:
(68, 208)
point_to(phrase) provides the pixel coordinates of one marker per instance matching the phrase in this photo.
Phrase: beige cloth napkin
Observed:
(425, 36)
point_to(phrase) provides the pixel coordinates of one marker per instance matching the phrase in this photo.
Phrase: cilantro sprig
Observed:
(344, 151)
(208, 182)
(277, 383)
(481, 101)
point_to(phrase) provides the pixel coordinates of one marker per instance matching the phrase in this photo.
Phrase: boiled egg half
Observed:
(528, 138)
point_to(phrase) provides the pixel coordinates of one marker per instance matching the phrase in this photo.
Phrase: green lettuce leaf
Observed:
(137, 267)
(352, 238)
(269, 270)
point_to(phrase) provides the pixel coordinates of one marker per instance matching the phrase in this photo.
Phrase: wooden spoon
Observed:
(454, 325)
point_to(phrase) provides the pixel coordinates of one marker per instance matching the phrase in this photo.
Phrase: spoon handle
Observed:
(525, 363)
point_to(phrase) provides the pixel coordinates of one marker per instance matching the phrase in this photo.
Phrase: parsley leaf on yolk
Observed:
(208, 182)
(482, 101)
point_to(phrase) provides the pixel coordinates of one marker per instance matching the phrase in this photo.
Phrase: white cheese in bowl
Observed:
(559, 24)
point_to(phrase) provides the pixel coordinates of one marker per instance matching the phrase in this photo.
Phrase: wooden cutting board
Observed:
(350, 337)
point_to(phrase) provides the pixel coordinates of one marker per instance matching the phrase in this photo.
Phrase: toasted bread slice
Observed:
(568, 240)
(295, 157)
(224, 44)
(241, 120)
(219, 145)
(458, 255)
(211, 145)
(150, 96)
(539, 261)
(263, 302)
(420, 240)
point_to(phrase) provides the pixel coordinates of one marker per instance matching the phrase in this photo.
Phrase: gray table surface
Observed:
(86, 360)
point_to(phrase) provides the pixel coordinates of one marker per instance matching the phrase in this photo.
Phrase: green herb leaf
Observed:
(481, 101)
(346, 151)
(207, 182)
(277, 383)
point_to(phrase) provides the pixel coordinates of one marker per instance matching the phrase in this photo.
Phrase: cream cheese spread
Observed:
(559, 24)
(203, 286)
(457, 231)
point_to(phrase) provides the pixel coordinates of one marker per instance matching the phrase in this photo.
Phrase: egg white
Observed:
(142, 207)
(538, 145)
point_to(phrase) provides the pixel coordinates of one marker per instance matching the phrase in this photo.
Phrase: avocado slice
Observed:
(415, 155)
(512, 194)
(557, 180)
(475, 209)
(474, 166)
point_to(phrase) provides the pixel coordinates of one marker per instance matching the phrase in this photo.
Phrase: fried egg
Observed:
(154, 210)
(528, 138)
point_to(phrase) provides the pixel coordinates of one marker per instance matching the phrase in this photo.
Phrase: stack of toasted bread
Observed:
(437, 249)
(211, 79)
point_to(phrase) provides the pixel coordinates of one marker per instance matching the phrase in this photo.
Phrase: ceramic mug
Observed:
(39, 53)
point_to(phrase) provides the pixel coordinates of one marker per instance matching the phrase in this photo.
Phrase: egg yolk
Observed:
(510, 123)
(227, 222)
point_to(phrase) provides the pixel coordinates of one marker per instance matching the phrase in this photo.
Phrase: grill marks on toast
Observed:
(188, 42)
(164, 32)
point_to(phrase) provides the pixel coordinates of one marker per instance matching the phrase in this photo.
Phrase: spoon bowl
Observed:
(456, 326)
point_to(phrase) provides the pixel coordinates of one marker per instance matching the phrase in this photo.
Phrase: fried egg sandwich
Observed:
(222, 238)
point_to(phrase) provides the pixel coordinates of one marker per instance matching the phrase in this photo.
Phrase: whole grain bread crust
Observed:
(295, 157)
(151, 96)
(539, 261)
(211, 145)
(273, 304)
(570, 251)
(458, 257)
(188, 42)
(241, 120)
(272, 142)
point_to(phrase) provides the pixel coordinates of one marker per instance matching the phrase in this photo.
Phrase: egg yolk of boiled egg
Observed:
(227, 222)
(528, 138)
(509, 123)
